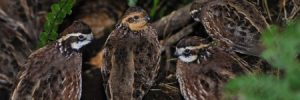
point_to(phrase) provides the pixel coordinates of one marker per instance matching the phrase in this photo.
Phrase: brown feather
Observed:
(48, 74)
(204, 80)
(143, 49)
(131, 61)
(235, 22)
(54, 71)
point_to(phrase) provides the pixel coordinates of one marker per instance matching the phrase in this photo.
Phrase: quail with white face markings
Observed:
(203, 68)
(131, 57)
(54, 71)
(235, 22)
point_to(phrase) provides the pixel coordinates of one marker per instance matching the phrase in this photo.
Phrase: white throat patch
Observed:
(188, 59)
(79, 44)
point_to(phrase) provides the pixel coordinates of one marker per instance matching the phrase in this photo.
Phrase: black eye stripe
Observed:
(82, 40)
(80, 36)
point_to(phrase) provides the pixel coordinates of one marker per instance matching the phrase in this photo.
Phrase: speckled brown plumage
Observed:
(18, 35)
(46, 79)
(203, 78)
(54, 71)
(235, 22)
(131, 57)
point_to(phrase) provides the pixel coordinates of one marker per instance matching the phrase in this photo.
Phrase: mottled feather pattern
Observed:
(253, 15)
(140, 46)
(235, 22)
(40, 82)
(205, 80)
(15, 47)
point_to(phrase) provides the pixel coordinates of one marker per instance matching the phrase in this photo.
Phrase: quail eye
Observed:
(130, 20)
(80, 37)
(187, 51)
(136, 17)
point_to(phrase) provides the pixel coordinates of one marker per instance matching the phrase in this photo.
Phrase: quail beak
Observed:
(147, 18)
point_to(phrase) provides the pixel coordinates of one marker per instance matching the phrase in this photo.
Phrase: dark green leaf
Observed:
(54, 18)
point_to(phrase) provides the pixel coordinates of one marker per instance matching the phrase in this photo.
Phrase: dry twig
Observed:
(173, 21)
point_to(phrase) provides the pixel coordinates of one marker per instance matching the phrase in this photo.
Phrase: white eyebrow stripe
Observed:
(74, 34)
(194, 11)
(191, 48)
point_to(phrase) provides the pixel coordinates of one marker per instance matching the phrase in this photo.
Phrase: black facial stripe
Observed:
(186, 55)
(187, 52)
(82, 39)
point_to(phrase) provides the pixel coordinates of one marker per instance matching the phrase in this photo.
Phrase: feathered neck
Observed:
(204, 55)
(65, 48)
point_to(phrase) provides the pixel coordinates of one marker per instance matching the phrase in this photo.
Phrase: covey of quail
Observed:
(235, 22)
(131, 57)
(203, 68)
(53, 72)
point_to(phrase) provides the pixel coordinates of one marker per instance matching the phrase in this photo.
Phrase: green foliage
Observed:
(54, 18)
(154, 8)
(132, 3)
(282, 48)
(259, 88)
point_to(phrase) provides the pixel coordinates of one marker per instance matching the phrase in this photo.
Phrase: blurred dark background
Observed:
(21, 22)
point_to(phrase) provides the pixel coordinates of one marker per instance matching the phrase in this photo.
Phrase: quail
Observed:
(53, 72)
(235, 22)
(203, 68)
(131, 57)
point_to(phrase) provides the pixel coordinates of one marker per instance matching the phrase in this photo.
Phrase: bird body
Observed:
(203, 76)
(54, 71)
(236, 22)
(45, 79)
(131, 57)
